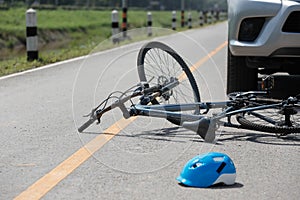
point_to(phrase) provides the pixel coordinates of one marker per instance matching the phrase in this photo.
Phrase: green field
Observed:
(64, 34)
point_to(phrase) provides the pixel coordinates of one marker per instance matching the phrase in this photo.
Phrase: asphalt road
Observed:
(43, 155)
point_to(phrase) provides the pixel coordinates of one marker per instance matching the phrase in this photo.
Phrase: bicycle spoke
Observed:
(164, 64)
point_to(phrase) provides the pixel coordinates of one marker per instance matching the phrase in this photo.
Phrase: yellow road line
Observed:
(51, 179)
(202, 61)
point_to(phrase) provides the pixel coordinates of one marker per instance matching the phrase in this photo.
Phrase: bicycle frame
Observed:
(198, 122)
(171, 110)
(195, 122)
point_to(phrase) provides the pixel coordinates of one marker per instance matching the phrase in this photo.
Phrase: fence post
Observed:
(209, 17)
(31, 35)
(205, 16)
(182, 18)
(182, 13)
(218, 15)
(174, 20)
(201, 18)
(149, 23)
(214, 16)
(124, 18)
(115, 26)
(190, 20)
(221, 15)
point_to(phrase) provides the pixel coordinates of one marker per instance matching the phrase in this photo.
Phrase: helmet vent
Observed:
(223, 164)
(218, 159)
(198, 164)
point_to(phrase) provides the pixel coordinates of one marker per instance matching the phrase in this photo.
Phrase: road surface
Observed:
(43, 155)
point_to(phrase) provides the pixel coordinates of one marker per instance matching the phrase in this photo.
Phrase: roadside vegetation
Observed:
(64, 34)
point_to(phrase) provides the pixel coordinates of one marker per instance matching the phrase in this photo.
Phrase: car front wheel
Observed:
(240, 78)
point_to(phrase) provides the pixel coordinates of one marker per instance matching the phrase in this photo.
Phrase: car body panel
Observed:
(271, 38)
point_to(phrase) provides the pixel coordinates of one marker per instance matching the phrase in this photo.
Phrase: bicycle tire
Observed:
(156, 61)
(248, 122)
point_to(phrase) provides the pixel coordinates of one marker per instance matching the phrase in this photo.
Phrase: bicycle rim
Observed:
(158, 63)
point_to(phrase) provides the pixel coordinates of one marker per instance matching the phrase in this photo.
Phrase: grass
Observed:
(64, 34)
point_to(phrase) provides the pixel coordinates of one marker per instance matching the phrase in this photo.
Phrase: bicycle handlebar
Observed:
(97, 114)
(156, 90)
(86, 124)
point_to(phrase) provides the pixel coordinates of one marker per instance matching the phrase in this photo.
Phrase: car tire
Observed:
(240, 77)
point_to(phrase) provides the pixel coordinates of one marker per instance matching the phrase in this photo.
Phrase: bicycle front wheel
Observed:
(157, 64)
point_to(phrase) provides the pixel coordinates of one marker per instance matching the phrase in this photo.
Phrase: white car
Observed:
(264, 38)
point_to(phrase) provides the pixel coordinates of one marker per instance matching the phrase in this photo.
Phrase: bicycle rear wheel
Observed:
(157, 63)
(274, 120)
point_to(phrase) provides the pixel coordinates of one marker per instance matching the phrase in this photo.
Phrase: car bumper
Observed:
(271, 41)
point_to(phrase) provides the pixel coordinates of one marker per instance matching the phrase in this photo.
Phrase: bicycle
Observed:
(167, 89)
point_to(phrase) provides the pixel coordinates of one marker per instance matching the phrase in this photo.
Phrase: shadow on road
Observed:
(258, 137)
(222, 186)
(217, 186)
(172, 134)
(181, 135)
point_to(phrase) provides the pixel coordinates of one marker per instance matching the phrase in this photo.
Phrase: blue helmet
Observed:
(208, 169)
